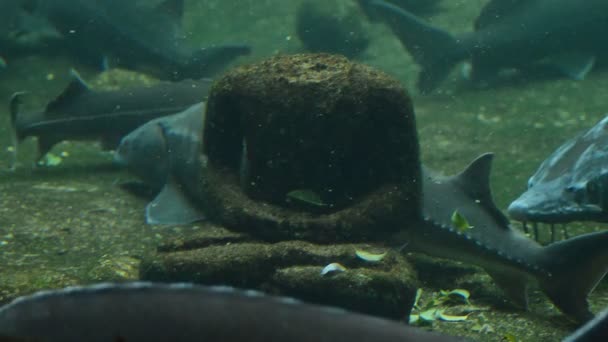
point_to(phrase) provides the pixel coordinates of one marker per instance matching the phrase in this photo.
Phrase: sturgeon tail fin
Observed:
(576, 266)
(435, 50)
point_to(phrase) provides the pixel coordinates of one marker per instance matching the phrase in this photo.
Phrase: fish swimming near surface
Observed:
(571, 184)
(80, 113)
(566, 271)
(130, 35)
(519, 34)
(152, 151)
(141, 311)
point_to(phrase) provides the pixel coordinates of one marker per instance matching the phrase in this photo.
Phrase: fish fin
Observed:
(434, 49)
(515, 287)
(575, 65)
(2, 62)
(172, 206)
(14, 104)
(474, 180)
(76, 88)
(576, 266)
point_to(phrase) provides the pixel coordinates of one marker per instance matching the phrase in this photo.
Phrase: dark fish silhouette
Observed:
(147, 312)
(571, 184)
(182, 312)
(135, 36)
(521, 34)
(80, 113)
(152, 151)
(566, 271)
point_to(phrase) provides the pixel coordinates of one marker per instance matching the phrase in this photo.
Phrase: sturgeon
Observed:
(566, 271)
(148, 312)
(80, 113)
(520, 34)
(135, 36)
(571, 184)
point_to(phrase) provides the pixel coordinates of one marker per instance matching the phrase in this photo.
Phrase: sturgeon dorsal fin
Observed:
(174, 8)
(495, 10)
(76, 88)
(474, 180)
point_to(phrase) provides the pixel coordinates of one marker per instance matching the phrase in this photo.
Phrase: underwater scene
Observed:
(304, 170)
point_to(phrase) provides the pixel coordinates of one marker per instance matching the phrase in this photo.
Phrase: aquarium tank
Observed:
(304, 170)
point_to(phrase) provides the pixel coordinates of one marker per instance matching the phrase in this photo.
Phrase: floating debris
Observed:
(369, 257)
(332, 268)
(305, 196)
(460, 222)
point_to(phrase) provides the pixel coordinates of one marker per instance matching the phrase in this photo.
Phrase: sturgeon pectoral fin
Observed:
(171, 206)
(575, 65)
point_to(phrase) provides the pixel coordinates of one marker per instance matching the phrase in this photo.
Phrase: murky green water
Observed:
(70, 223)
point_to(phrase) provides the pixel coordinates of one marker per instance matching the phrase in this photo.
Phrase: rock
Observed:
(315, 122)
(291, 268)
(339, 133)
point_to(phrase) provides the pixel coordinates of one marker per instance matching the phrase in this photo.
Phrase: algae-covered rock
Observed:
(318, 123)
(299, 150)
(293, 268)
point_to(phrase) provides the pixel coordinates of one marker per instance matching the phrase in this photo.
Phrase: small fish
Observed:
(460, 222)
(80, 113)
(143, 312)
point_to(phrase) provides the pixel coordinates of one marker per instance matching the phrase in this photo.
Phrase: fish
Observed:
(130, 35)
(152, 151)
(525, 35)
(566, 271)
(145, 311)
(571, 184)
(148, 311)
(80, 113)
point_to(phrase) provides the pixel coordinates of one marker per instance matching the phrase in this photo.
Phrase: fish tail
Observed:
(435, 50)
(14, 104)
(575, 267)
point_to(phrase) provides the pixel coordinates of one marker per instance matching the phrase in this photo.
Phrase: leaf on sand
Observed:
(334, 267)
(369, 257)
